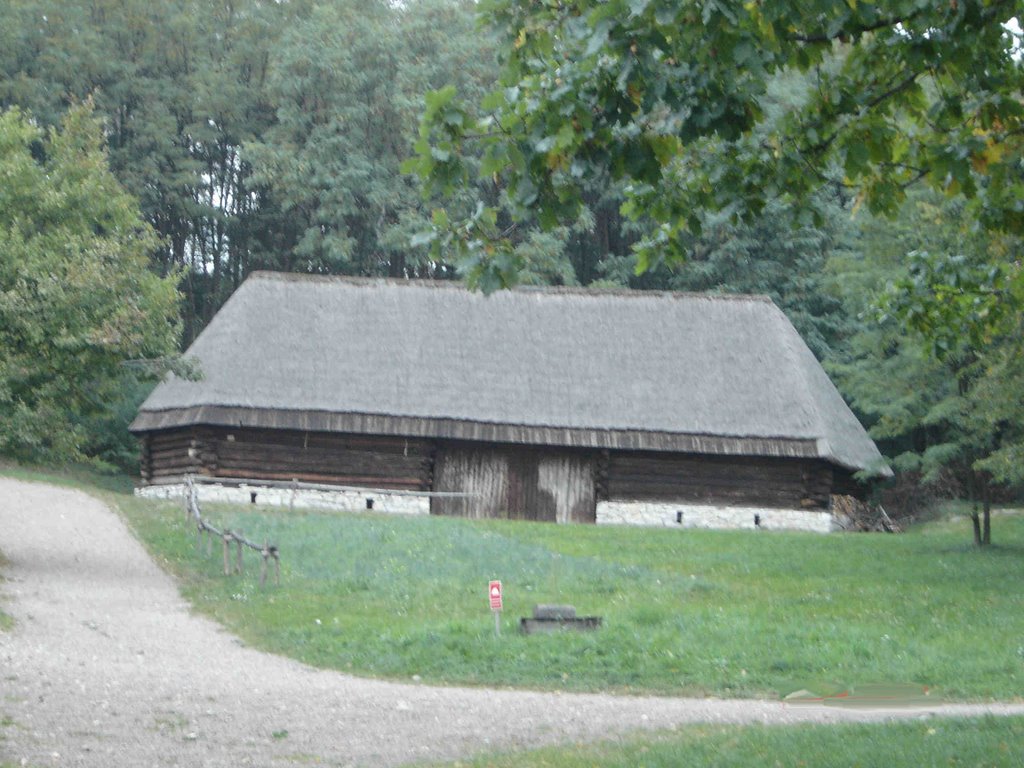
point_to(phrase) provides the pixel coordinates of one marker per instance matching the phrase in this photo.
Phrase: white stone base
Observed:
(608, 512)
(682, 515)
(394, 502)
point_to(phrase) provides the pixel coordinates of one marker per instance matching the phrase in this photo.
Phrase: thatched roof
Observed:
(654, 371)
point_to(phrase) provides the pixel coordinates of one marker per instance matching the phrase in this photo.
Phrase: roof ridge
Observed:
(552, 290)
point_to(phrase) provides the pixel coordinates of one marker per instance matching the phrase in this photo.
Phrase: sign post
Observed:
(494, 592)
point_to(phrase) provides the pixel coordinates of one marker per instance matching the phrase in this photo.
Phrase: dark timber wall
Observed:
(518, 482)
(359, 460)
(515, 482)
(736, 480)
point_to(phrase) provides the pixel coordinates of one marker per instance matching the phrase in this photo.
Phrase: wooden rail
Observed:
(228, 537)
(267, 550)
(304, 486)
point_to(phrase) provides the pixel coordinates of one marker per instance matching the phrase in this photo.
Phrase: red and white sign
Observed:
(494, 590)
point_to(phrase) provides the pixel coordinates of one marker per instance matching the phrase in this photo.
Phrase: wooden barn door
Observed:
(481, 473)
(515, 483)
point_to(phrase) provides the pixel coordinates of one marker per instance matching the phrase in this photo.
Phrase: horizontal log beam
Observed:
(397, 483)
(231, 454)
(323, 467)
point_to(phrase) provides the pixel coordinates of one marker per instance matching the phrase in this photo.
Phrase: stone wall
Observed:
(348, 501)
(676, 515)
(685, 515)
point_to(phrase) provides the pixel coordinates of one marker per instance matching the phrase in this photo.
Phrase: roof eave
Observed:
(457, 429)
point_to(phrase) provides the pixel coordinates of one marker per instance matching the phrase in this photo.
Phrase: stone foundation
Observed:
(341, 501)
(682, 515)
(675, 515)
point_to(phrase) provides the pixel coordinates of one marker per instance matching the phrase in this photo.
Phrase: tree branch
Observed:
(845, 33)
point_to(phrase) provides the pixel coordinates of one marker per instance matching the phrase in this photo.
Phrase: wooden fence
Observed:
(228, 537)
(267, 550)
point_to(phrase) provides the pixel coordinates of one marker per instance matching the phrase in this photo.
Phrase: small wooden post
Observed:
(226, 538)
(277, 568)
(238, 554)
(263, 569)
(191, 505)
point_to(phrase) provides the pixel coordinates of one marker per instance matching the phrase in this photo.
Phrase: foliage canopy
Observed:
(77, 297)
(669, 98)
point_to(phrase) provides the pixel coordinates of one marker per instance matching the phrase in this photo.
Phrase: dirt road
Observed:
(106, 666)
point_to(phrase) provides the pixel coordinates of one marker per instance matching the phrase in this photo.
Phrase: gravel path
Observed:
(106, 666)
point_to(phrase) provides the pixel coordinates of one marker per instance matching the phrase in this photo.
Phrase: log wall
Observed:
(315, 457)
(168, 456)
(515, 483)
(731, 480)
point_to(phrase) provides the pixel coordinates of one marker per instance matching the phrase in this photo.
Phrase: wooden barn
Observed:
(537, 403)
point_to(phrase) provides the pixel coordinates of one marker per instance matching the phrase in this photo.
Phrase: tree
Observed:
(668, 97)
(965, 305)
(77, 297)
(180, 85)
(939, 370)
(345, 81)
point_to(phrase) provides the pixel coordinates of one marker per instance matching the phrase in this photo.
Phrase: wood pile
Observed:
(856, 515)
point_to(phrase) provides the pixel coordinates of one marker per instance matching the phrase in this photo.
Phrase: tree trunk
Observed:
(976, 521)
(986, 534)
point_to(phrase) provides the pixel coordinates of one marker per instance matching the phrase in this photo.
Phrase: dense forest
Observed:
(213, 139)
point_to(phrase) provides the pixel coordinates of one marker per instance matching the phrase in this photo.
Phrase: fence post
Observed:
(263, 568)
(191, 504)
(226, 539)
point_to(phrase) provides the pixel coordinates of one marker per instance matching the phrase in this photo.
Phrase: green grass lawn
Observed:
(685, 611)
(972, 743)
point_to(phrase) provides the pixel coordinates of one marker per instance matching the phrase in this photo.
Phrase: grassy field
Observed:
(83, 477)
(977, 743)
(685, 611)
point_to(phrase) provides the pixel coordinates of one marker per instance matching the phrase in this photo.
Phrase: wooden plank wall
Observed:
(728, 480)
(568, 479)
(507, 481)
(515, 483)
(483, 473)
(358, 460)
